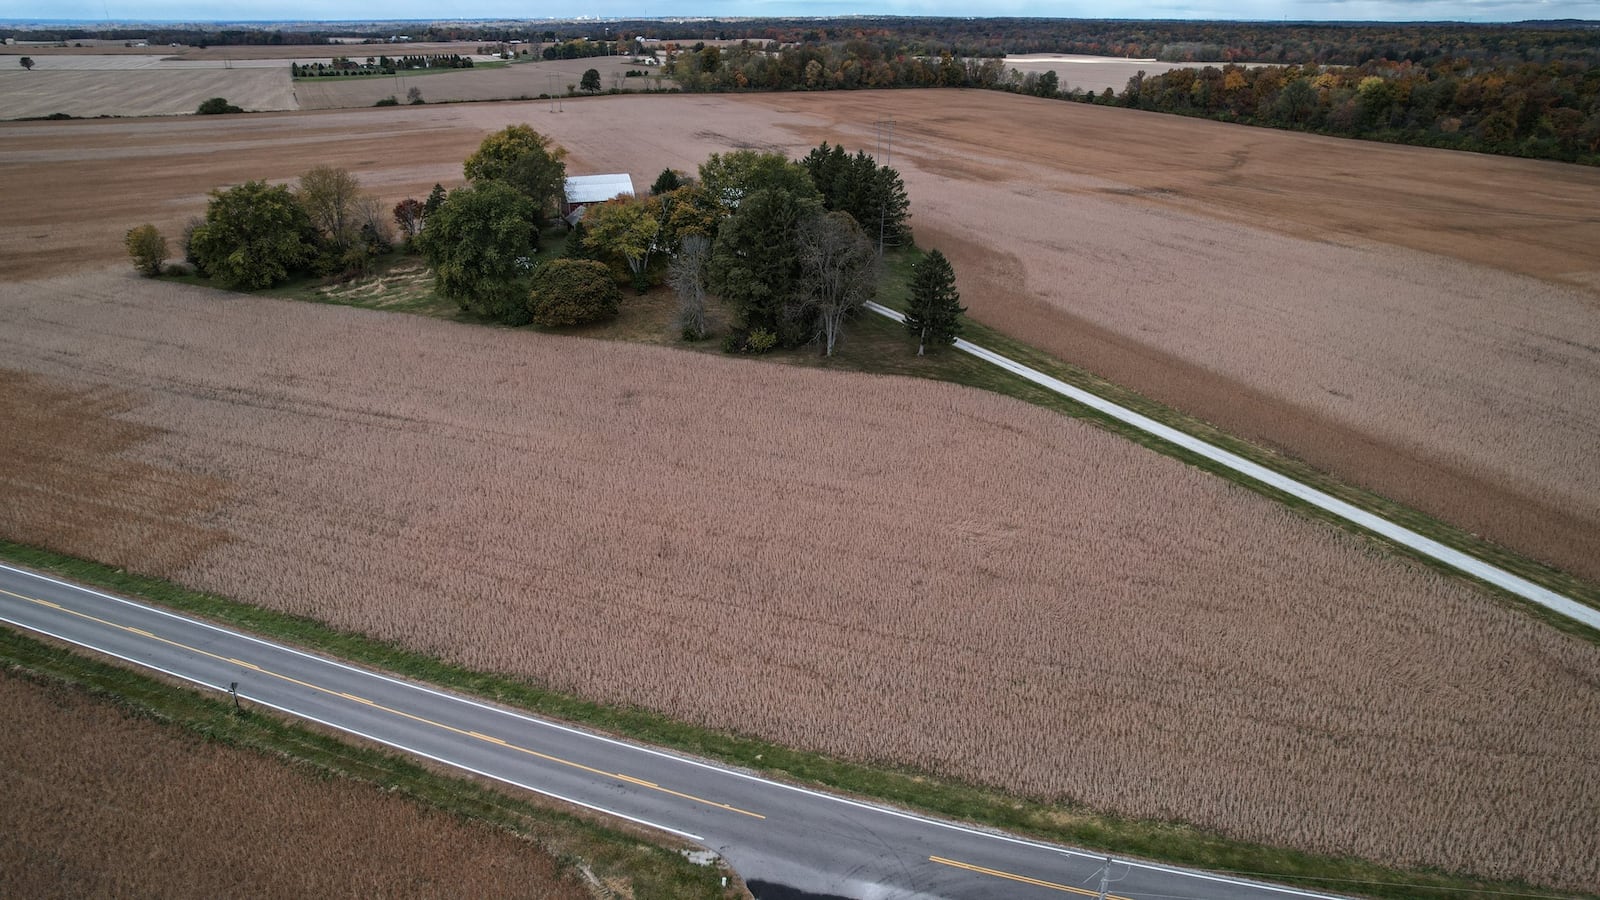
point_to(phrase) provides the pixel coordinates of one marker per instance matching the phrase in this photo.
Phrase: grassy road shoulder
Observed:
(612, 857)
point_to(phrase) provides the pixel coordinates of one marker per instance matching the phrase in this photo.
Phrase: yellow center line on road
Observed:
(401, 713)
(1010, 876)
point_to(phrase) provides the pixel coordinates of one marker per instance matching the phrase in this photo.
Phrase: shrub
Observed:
(178, 270)
(147, 248)
(217, 106)
(573, 292)
(187, 244)
(761, 340)
(390, 100)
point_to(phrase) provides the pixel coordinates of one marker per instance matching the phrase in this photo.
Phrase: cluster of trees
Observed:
(379, 65)
(216, 106)
(872, 194)
(780, 241)
(1546, 111)
(481, 239)
(257, 234)
(582, 48)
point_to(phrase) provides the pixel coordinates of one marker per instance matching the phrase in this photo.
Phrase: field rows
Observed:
(1419, 323)
(99, 804)
(887, 570)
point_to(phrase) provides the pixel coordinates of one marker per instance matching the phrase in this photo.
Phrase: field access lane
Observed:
(785, 840)
(1399, 534)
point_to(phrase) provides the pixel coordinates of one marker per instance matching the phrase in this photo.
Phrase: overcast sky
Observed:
(332, 10)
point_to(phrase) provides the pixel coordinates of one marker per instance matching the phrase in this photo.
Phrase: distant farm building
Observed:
(582, 190)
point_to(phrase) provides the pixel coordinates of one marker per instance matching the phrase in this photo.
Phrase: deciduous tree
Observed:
(687, 275)
(329, 196)
(409, 214)
(590, 81)
(26, 62)
(728, 177)
(934, 313)
(480, 243)
(524, 159)
(254, 236)
(628, 229)
(838, 271)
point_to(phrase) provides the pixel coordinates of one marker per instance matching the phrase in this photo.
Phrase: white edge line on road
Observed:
(466, 768)
(702, 764)
(348, 730)
(1456, 559)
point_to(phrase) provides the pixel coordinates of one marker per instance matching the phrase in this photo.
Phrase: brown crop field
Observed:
(520, 81)
(890, 570)
(98, 804)
(140, 92)
(1423, 323)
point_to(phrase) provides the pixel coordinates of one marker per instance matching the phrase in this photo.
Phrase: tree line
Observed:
(1544, 110)
(1527, 89)
(380, 65)
(1538, 110)
(1286, 43)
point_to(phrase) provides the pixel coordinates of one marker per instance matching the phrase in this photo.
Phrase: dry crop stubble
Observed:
(883, 569)
(102, 805)
(1359, 305)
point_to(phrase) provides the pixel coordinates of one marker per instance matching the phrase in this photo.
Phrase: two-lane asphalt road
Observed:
(786, 841)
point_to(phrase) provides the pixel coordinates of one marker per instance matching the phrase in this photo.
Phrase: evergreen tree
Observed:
(435, 199)
(668, 181)
(934, 314)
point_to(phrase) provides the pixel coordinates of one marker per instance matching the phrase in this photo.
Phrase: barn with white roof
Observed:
(582, 190)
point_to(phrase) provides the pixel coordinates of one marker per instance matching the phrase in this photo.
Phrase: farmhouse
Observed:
(582, 190)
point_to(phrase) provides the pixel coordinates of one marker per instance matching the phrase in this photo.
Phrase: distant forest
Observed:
(1525, 89)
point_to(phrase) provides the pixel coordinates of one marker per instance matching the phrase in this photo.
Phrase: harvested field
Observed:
(888, 570)
(236, 52)
(1420, 322)
(1092, 73)
(114, 91)
(520, 81)
(98, 804)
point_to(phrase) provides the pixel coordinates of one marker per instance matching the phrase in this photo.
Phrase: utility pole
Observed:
(883, 131)
(1105, 878)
